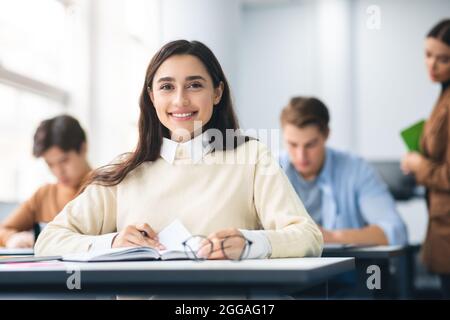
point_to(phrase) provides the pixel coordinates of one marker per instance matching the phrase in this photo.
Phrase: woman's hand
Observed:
(233, 245)
(140, 235)
(20, 240)
(331, 236)
(411, 162)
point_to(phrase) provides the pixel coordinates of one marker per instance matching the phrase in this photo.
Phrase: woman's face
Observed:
(437, 59)
(183, 93)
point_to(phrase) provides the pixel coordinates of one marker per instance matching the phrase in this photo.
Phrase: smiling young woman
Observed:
(177, 172)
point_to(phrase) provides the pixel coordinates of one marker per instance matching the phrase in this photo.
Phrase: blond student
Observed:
(341, 191)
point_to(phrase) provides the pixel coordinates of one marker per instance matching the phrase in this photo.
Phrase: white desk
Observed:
(16, 252)
(272, 277)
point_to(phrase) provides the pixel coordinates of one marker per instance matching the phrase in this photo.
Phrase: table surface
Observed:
(293, 272)
(16, 252)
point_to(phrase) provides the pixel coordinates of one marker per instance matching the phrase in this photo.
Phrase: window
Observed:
(36, 82)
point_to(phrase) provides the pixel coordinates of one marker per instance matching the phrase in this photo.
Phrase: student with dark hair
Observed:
(188, 166)
(62, 143)
(431, 167)
(341, 191)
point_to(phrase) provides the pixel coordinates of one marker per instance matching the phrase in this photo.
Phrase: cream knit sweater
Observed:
(242, 188)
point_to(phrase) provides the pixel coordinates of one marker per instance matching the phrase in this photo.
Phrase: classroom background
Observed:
(364, 59)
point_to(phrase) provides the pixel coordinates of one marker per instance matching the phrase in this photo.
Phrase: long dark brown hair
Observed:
(151, 131)
(441, 31)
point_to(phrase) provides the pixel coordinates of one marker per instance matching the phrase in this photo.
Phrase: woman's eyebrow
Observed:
(165, 79)
(189, 78)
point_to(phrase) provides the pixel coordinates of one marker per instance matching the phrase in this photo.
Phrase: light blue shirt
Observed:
(352, 195)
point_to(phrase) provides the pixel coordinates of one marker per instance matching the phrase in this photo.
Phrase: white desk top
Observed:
(184, 275)
(299, 264)
(14, 252)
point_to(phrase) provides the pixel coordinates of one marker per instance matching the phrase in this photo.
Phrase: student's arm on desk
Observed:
(370, 235)
(88, 218)
(383, 222)
(21, 219)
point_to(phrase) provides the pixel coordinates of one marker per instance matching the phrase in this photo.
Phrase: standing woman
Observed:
(186, 167)
(432, 167)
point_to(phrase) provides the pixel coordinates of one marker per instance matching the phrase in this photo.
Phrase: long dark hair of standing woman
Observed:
(441, 32)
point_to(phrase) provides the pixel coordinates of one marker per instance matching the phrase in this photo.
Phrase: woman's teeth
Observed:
(182, 115)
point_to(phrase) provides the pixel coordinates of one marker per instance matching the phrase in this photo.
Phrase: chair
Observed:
(402, 187)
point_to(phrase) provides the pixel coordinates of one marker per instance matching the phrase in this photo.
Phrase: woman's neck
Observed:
(184, 137)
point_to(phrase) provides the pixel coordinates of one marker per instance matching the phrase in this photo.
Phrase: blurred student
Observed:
(341, 191)
(186, 166)
(432, 167)
(61, 142)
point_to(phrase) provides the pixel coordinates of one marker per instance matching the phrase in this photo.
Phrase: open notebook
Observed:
(127, 254)
(171, 237)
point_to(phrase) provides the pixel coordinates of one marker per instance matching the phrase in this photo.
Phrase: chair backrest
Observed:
(6, 208)
(402, 187)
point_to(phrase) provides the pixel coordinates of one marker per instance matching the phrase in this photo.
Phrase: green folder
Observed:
(411, 135)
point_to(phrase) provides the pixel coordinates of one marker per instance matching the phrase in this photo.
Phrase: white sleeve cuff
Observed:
(102, 242)
(260, 248)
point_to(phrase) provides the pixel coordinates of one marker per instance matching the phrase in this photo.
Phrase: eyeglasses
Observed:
(235, 248)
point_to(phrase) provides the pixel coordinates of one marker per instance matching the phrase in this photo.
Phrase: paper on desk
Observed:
(173, 236)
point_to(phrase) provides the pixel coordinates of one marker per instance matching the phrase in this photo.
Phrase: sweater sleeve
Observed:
(436, 175)
(82, 221)
(289, 228)
(23, 218)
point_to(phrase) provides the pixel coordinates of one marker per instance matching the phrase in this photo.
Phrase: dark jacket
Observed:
(434, 174)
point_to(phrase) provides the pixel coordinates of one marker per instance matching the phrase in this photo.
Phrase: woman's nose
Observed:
(181, 100)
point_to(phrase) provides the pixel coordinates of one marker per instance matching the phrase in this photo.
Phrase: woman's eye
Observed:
(445, 60)
(165, 87)
(195, 85)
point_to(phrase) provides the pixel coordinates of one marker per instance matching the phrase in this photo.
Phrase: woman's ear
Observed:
(218, 93)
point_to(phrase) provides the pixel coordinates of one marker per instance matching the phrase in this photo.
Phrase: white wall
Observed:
(373, 81)
(216, 23)
(122, 44)
(274, 62)
(298, 48)
(392, 87)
